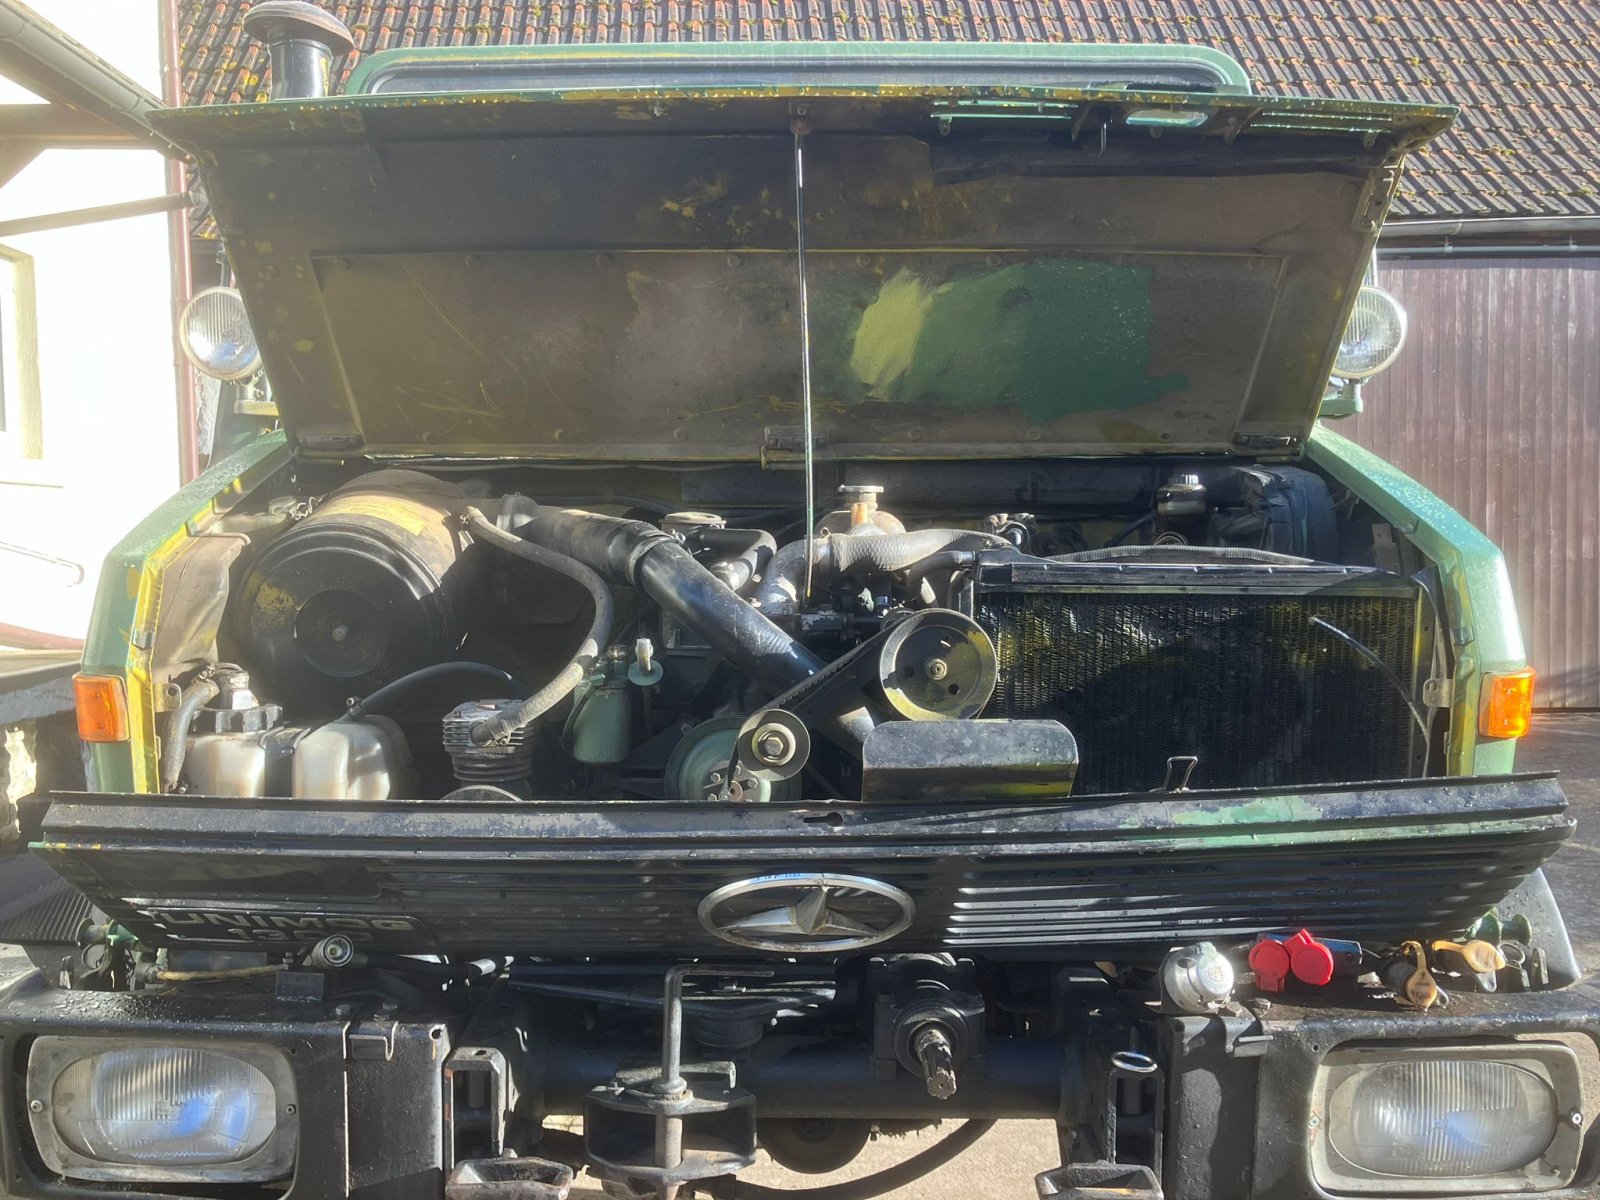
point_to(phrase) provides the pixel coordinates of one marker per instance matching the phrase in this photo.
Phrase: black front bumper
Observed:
(1237, 1120)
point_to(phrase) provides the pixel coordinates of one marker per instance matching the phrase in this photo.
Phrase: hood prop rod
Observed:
(800, 127)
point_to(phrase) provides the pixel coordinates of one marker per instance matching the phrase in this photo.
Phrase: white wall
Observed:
(107, 390)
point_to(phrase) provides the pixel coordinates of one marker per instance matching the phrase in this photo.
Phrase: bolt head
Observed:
(936, 669)
(36, 1106)
(774, 745)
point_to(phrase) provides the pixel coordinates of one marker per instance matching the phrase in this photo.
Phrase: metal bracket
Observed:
(370, 1040)
(789, 439)
(477, 1095)
(1098, 1181)
(1180, 770)
(1375, 197)
(1249, 1045)
(1265, 441)
(634, 1126)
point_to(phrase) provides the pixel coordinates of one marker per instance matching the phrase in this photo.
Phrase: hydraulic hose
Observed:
(568, 678)
(634, 554)
(399, 688)
(176, 746)
(956, 1142)
(845, 554)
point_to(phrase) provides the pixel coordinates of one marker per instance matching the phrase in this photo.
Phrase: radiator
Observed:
(1145, 663)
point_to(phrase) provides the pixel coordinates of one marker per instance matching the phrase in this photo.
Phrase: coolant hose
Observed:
(571, 675)
(176, 746)
(914, 1168)
(634, 554)
(845, 554)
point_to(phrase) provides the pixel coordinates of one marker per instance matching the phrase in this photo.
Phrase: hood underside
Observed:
(992, 272)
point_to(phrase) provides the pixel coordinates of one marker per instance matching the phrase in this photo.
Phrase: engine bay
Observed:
(679, 634)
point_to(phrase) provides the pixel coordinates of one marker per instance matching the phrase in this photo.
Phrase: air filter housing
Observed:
(371, 585)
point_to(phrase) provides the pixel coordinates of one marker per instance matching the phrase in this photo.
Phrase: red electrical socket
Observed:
(1270, 961)
(1274, 960)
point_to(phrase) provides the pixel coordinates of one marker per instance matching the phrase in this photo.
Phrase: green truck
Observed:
(797, 592)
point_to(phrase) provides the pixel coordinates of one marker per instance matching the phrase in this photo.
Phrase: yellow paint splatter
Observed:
(887, 337)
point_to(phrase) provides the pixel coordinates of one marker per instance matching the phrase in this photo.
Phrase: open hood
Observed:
(994, 271)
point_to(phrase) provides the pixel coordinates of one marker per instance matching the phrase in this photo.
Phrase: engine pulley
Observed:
(773, 745)
(938, 666)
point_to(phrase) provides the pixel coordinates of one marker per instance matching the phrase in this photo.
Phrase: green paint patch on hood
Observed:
(611, 274)
(1073, 335)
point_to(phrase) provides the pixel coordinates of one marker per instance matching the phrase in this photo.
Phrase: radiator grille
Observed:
(1035, 878)
(1245, 682)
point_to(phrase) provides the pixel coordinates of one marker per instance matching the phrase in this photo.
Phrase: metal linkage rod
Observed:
(801, 127)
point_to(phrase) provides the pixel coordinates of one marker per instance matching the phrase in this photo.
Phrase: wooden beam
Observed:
(59, 125)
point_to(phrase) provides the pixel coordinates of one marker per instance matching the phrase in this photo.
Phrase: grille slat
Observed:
(1246, 682)
(1052, 880)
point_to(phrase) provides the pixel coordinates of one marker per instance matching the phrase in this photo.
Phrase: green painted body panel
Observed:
(128, 597)
(1484, 630)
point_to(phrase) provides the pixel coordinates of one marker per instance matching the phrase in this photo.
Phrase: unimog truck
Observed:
(794, 593)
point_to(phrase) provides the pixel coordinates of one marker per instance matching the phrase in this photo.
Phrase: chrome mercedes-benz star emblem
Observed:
(807, 913)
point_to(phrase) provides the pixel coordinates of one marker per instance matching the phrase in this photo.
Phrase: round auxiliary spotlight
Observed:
(1373, 336)
(216, 337)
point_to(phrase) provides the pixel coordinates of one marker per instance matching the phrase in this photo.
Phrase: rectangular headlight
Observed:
(1399, 1118)
(105, 1109)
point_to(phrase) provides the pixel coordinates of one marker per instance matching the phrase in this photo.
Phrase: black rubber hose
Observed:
(739, 555)
(1117, 537)
(957, 1142)
(634, 554)
(398, 689)
(176, 746)
(571, 675)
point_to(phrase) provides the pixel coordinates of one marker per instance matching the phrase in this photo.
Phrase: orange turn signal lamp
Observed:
(1507, 705)
(102, 704)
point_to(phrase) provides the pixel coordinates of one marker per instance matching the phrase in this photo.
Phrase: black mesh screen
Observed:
(1245, 682)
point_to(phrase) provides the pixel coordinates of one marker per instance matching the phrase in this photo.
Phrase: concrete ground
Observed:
(1002, 1165)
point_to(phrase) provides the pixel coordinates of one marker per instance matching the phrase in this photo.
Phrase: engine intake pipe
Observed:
(845, 554)
(635, 554)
